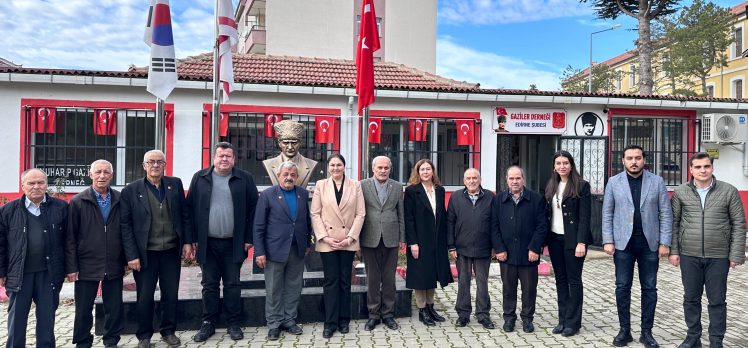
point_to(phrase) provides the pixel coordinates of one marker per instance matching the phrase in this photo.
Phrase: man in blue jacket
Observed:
(221, 202)
(282, 234)
(519, 228)
(32, 259)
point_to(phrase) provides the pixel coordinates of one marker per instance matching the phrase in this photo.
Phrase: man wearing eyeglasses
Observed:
(155, 235)
(289, 139)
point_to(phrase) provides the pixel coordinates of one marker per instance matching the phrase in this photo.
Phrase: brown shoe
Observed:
(172, 340)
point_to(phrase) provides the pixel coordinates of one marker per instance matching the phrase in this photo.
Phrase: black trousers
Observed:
(85, 295)
(465, 268)
(219, 266)
(164, 268)
(567, 269)
(698, 274)
(527, 276)
(337, 266)
(381, 263)
(35, 288)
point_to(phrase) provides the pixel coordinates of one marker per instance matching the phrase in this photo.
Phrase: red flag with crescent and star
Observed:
(375, 130)
(465, 132)
(323, 130)
(417, 130)
(270, 121)
(368, 43)
(105, 122)
(223, 125)
(43, 120)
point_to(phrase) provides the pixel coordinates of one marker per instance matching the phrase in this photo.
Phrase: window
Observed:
(665, 141)
(358, 26)
(246, 131)
(738, 36)
(66, 147)
(619, 80)
(632, 76)
(451, 160)
(710, 91)
(737, 88)
(663, 65)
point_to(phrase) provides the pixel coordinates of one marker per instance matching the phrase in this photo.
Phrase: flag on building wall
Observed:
(270, 121)
(43, 120)
(323, 129)
(223, 125)
(465, 132)
(375, 130)
(417, 130)
(368, 43)
(162, 70)
(169, 120)
(105, 122)
(228, 37)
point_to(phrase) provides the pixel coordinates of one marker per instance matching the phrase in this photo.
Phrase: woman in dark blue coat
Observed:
(568, 205)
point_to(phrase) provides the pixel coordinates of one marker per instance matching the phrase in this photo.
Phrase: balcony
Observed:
(254, 40)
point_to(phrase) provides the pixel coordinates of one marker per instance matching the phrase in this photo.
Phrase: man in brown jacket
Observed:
(708, 237)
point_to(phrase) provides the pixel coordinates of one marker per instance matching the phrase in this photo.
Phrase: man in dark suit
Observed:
(155, 232)
(221, 202)
(282, 209)
(383, 231)
(519, 229)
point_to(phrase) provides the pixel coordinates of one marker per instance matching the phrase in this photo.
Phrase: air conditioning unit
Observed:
(724, 128)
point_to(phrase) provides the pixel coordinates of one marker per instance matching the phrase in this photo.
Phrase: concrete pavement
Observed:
(599, 323)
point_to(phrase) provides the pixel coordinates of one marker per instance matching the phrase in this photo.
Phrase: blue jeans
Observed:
(637, 251)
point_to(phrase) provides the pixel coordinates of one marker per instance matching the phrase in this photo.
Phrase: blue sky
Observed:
(498, 43)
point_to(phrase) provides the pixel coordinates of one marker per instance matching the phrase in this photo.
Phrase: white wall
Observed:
(410, 33)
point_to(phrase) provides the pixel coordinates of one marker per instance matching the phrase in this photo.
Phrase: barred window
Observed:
(451, 160)
(64, 141)
(246, 131)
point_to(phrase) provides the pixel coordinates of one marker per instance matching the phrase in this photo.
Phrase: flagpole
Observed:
(365, 145)
(216, 114)
(159, 124)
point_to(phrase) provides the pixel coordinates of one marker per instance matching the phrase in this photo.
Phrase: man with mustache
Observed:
(637, 225)
(282, 235)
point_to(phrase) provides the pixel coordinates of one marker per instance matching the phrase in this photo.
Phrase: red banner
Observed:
(465, 132)
(368, 43)
(417, 130)
(105, 122)
(223, 125)
(323, 129)
(270, 121)
(375, 130)
(169, 120)
(43, 120)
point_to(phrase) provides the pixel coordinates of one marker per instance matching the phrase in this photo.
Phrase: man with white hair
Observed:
(93, 254)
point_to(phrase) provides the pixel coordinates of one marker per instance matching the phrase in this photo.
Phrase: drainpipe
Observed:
(745, 159)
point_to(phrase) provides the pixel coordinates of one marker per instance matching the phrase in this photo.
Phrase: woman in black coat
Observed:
(568, 205)
(426, 235)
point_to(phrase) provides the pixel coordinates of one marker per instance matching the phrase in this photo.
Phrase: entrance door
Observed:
(533, 153)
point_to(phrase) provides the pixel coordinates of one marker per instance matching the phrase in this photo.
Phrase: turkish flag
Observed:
(323, 130)
(375, 130)
(105, 122)
(270, 121)
(417, 130)
(368, 42)
(43, 120)
(169, 120)
(223, 125)
(465, 132)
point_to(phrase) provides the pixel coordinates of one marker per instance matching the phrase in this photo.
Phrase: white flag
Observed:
(162, 70)
(228, 37)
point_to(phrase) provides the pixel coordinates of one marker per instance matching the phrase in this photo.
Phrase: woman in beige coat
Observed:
(337, 217)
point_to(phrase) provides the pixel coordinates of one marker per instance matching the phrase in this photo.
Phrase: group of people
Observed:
(151, 226)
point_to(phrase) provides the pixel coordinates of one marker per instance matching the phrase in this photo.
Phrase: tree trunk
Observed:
(644, 45)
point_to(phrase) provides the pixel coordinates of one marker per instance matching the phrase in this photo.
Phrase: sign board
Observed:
(713, 153)
(71, 174)
(529, 121)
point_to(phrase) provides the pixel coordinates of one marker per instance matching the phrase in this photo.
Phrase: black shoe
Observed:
(508, 326)
(558, 329)
(235, 333)
(172, 340)
(623, 338)
(647, 339)
(568, 332)
(390, 323)
(691, 342)
(425, 317)
(527, 326)
(434, 314)
(294, 329)
(462, 322)
(206, 330)
(371, 324)
(144, 343)
(274, 334)
(328, 331)
(487, 323)
(715, 343)
(344, 328)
